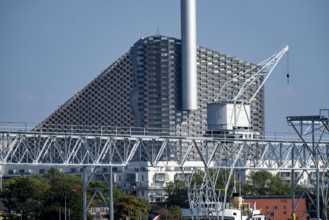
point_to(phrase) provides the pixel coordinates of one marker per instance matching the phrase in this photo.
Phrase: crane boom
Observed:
(233, 115)
(262, 74)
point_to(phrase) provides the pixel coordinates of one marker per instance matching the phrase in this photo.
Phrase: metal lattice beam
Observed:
(92, 150)
(31, 148)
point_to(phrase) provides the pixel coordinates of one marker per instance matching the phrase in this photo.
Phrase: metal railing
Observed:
(138, 131)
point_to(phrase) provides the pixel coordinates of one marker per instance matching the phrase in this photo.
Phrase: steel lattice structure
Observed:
(31, 148)
(36, 148)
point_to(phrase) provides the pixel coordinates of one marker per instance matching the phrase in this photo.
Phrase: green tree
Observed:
(177, 191)
(24, 197)
(197, 178)
(264, 183)
(130, 206)
(103, 187)
(222, 179)
(171, 213)
(124, 205)
(43, 197)
(177, 194)
(64, 190)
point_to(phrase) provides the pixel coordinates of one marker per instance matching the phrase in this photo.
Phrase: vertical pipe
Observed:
(111, 209)
(317, 193)
(65, 208)
(293, 183)
(84, 191)
(281, 156)
(316, 157)
(189, 55)
(180, 151)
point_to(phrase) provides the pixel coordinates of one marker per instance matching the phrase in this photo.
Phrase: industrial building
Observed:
(141, 93)
(161, 87)
(278, 207)
(143, 89)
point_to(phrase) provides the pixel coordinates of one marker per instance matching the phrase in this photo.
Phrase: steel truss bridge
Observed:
(309, 154)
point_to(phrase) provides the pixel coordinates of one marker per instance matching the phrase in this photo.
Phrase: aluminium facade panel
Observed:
(105, 101)
(143, 88)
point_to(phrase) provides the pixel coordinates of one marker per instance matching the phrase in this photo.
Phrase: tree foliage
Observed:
(43, 197)
(264, 183)
(124, 205)
(257, 183)
(177, 191)
(169, 213)
(130, 206)
(24, 196)
(177, 194)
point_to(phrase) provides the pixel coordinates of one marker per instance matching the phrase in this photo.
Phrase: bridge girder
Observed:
(67, 150)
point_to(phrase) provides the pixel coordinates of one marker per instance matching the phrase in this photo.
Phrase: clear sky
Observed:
(49, 50)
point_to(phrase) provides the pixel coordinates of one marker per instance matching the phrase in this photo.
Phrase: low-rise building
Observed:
(278, 207)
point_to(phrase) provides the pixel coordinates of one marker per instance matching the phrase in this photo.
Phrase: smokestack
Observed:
(189, 58)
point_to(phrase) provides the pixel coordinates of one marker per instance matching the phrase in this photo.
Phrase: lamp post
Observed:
(65, 207)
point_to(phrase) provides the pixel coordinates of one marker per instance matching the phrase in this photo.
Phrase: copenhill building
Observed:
(167, 86)
(143, 90)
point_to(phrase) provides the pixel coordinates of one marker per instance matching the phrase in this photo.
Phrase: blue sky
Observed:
(49, 50)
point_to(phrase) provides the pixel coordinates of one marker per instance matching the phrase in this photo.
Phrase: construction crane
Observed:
(230, 118)
(233, 116)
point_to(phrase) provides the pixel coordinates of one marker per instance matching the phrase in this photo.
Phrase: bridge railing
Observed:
(140, 131)
(84, 129)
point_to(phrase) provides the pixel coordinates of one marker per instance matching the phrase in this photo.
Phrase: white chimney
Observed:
(189, 57)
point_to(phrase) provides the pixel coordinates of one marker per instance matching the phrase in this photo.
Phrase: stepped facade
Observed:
(143, 90)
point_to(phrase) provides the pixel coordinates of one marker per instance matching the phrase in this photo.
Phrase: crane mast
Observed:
(232, 116)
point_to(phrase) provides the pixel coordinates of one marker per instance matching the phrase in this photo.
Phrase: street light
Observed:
(65, 206)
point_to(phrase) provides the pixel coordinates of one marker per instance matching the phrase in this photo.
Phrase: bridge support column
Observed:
(84, 191)
(111, 209)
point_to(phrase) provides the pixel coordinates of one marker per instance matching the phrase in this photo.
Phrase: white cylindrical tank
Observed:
(228, 116)
(189, 55)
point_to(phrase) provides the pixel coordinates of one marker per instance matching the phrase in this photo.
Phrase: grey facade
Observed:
(143, 88)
